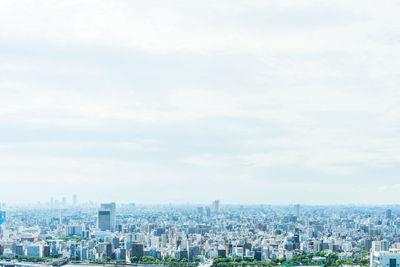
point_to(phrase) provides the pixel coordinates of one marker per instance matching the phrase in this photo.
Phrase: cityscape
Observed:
(61, 232)
(199, 133)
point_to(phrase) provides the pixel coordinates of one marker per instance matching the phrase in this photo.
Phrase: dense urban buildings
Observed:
(193, 234)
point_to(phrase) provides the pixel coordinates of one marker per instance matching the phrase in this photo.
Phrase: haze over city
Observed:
(248, 102)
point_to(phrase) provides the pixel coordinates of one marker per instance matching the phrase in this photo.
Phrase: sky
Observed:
(248, 102)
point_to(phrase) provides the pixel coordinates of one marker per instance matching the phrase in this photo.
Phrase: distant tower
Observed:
(106, 217)
(74, 200)
(389, 214)
(215, 206)
(200, 211)
(297, 210)
(208, 211)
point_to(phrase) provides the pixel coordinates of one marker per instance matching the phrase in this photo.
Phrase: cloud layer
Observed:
(190, 101)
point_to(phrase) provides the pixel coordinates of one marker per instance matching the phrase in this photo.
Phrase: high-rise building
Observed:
(109, 250)
(208, 211)
(388, 214)
(19, 250)
(104, 220)
(2, 217)
(84, 253)
(137, 250)
(200, 211)
(115, 242)
(297, 210)
(73, 230)
(215, 206)
(193, 252)
(46, 251)
(106, 217)
(34, 250)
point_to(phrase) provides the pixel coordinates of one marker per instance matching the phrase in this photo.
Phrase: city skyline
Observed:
(171, 102)
(268, 236)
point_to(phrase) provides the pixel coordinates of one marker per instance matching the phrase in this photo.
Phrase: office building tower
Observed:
(104, 220)
(200, 211)
(106, 217)
(2, 217)
(208, 211)
(84, 253)
(108, 250)
(137, 250)
(221, 253)
(34, 251)
(74, 230)
(115, 242)
(19, 250)
(297, 210)
(367, 244)
(46, 251)
(193, 252)
(389, 214)
(376, 246)
(122, 254)
(183, 253)
(384, 245)
(215, 206)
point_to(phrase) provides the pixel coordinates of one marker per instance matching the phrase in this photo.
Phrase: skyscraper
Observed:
(297, 210)
(2, 217)
(137, 250)
(106, 217)
(215, 206)
(389, 214)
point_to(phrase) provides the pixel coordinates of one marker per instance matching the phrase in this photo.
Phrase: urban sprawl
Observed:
(59, 232)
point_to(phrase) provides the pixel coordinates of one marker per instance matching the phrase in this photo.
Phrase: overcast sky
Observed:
(190, 101)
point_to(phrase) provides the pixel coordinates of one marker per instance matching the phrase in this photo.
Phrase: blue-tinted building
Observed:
(2, 217)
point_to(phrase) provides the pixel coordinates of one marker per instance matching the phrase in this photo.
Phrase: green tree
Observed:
(134, 259)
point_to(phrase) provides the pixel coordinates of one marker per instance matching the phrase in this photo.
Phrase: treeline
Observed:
(331, 260)
(165, 261)
(107, 260)
(27, 258)
(228, 262)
